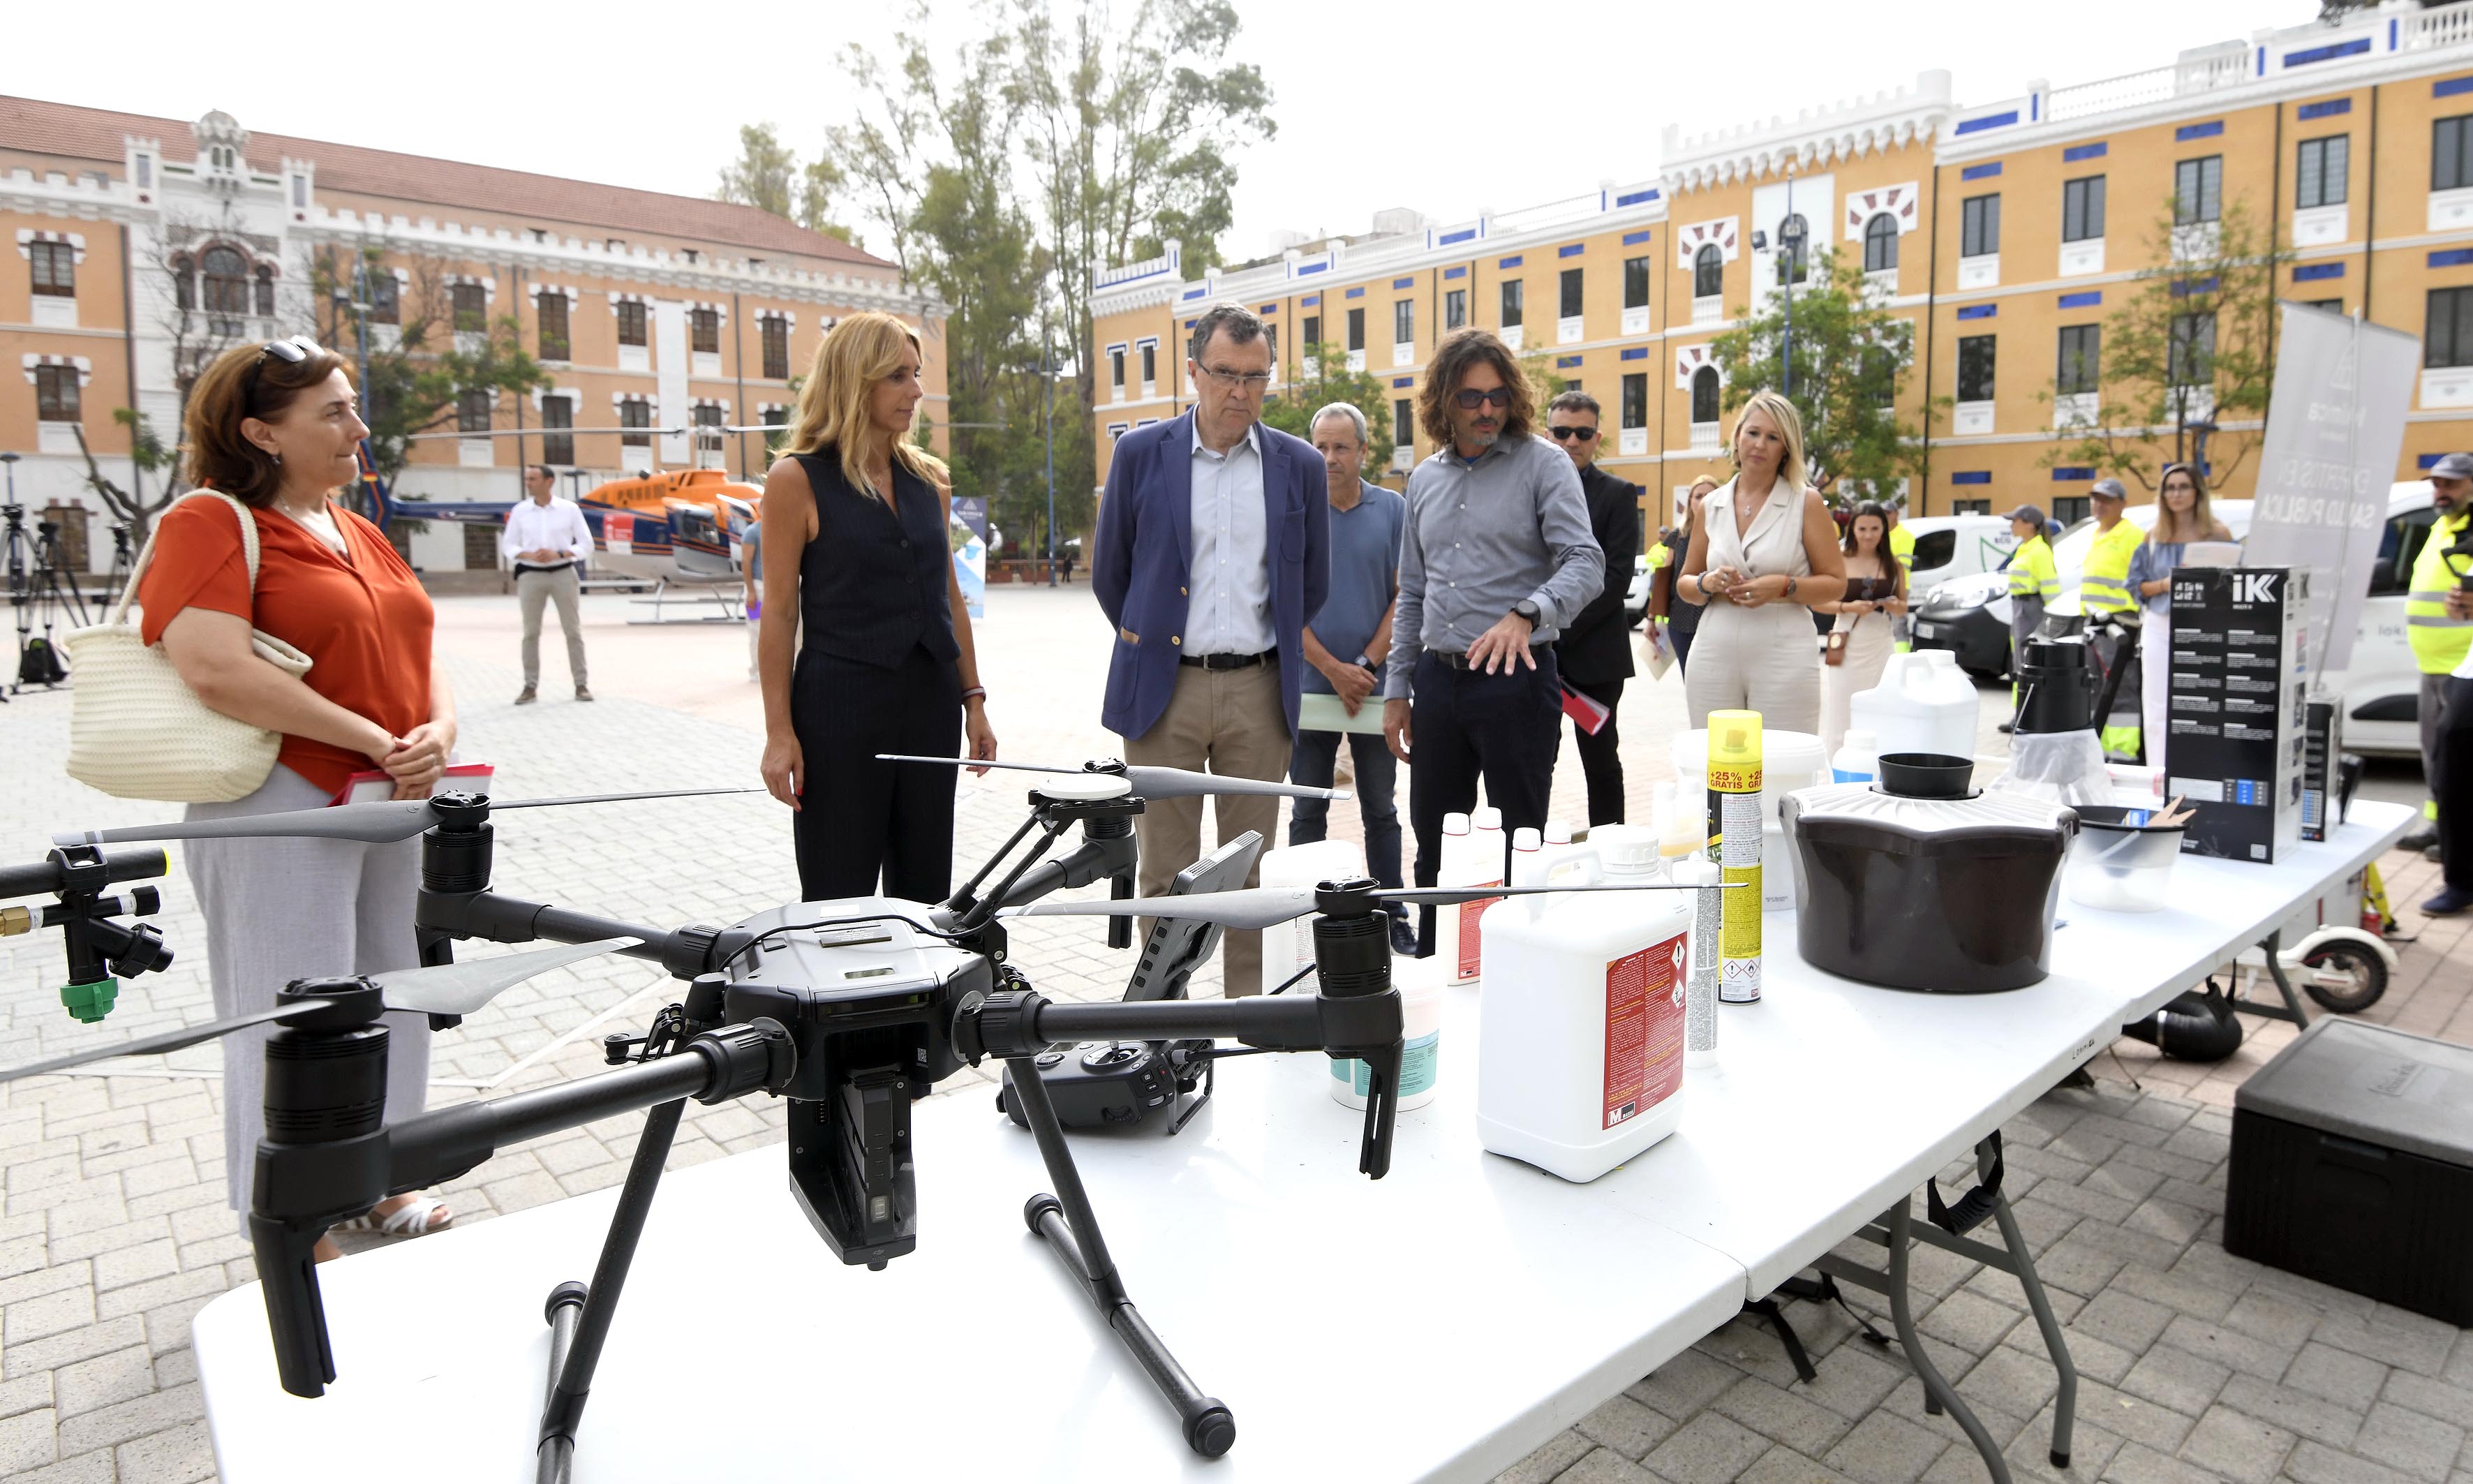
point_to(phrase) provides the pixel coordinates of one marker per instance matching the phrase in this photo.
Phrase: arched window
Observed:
(1708, 271)
(1704, 394)
(265, 291)
(227, 275)
(1794, 237)
(1880, 244)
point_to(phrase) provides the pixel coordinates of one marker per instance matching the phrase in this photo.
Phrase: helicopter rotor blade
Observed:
(382, 822)
(463, 988)
(1152, 782)
(169, 1041)
(1259, 907)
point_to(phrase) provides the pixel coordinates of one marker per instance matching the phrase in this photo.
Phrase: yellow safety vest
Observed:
(2104, 585)
(1659, 556)
(2439, 642)
(2031, 573)
(1902, 545)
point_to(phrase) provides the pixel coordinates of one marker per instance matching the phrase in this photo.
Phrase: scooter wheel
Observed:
(2346, 977)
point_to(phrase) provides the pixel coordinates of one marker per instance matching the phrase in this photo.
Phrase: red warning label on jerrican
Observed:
(1643, 1029)
(1471, 941)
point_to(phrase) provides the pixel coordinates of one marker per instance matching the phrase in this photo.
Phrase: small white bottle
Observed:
(1472, 857)
(1858, 758)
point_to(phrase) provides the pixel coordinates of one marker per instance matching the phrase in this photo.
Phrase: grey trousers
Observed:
(279, 910)
(565, 588)
(2432, 709)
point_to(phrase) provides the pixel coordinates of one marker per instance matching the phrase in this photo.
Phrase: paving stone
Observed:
(2091, 1450)
(1783, 1465)
(2122, 1318)
(2100, 1359)
(2135, 1419)
(32, 1319)
(2182, 1295)
(175, 1455)
(1884, 1448)
(103, 1380)
(1854, 1381)
(155, 1293)
(2265, 1359)
(1561, 1451)
(2316, 1463)
(1782, 1417)
(1969, 1321)
(2312, 1417)
(27, 1441)
(69, 1346)
(2238, 1446)
(2393, 1335)
(1626, 1426)
(126, 1265)
(1687, 1383)
(95, 1467)
(2423, 1447)
(2138, 1463)
(1605, 1466)
(2339, 1375)
(1708, 1447)
(126, 1420)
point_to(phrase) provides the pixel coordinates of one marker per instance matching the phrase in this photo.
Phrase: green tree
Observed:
(150, 455)
(2193, 343)
(769, 175)
(1850, 359)
(1322, 378)
(415, 377)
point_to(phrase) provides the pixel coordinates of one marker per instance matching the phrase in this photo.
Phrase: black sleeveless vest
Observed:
(871, 585)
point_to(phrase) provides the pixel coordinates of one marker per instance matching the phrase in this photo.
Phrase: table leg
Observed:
(2065, 1406)
(1901, 1224)
(2273, 944)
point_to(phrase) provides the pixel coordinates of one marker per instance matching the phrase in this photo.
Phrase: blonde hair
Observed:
(1790, 422)
(833, 409)
(2202, 513)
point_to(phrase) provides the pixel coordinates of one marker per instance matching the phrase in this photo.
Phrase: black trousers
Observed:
(859, 817)
(1466, 724)
(2454, 786)
(1599, 762)
(1680, 635)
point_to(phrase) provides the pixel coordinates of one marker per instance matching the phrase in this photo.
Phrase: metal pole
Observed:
(1047, 357)
(1786, 270)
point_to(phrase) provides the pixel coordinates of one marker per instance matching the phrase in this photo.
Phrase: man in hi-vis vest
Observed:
(2103, 589)
(2438, 623)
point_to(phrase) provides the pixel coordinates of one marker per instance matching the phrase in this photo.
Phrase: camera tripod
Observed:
(39, 596)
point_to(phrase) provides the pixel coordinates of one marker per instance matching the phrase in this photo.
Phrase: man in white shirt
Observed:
(547, 542)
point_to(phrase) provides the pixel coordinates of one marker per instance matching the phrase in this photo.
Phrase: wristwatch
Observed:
(1364, 661)
(1527, 608)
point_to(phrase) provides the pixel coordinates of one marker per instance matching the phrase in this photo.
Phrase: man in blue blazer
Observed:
(1211, 556)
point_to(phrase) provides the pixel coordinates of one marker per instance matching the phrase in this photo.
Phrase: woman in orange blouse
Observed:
(276, 427)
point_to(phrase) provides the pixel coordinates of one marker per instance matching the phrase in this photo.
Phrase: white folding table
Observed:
(1435, 1325)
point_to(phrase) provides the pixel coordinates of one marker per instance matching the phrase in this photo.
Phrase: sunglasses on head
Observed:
(293, 351)
(1470, 399)
(1584, 435)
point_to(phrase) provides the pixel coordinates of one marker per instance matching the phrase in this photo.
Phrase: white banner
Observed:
(2335, 424)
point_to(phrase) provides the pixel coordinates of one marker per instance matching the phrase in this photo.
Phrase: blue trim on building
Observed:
(2328, 53)
(1193, 293)
(1357, 292)
(2206, 131)
(1311, 268)
(1637, 196)
(2451, 257)
(1464, 234)
(1397, 382)
(1570, 249)
(1988, 121)
(2185, 287)
(2327, 109)
(1566, 362)
(1408, 282)
(2078, 151)
(1460, 271)
(2071, 473)
(1979, 311)
(1310, 301)
(1636, 354)
(1971, 476)
(2427, 460)
(2309, 273)
(1513, 261)
(2083, 301)
(1635, 239)
(1984, 170)
(1268, 309)
(2449, 88)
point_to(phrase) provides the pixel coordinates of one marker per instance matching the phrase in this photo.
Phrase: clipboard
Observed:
(1319, 711)
(372, 785)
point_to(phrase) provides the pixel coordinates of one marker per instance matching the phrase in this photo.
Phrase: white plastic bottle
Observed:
(1289, 946)
(1478, 861)
(1858, 758)
(1420, 983)
(1580, 1035)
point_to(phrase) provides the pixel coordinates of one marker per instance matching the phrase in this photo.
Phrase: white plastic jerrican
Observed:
(1580, 1029)
(1858, 760)
(1923, 704)
(1474, 859)
(1789, 760)
(1420, 983)
(1289, 946)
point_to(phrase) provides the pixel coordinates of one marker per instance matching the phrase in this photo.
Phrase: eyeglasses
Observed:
(1584, 435)
(1243, 381)
(294, 350)
(1470, 399)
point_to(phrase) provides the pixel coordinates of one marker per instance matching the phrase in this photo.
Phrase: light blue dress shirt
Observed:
(1229, 611)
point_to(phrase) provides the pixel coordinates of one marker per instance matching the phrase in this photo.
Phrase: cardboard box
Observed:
(2239, 683)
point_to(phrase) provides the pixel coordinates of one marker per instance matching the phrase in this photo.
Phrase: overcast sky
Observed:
(1444, 107)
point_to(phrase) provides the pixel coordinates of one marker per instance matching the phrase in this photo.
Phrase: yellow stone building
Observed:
(2005, 230)
(142, 245)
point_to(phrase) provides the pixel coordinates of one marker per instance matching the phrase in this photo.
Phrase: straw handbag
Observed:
(136, 731)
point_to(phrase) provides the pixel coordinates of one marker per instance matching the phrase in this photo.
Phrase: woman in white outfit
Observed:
(1763, 554)
(1876, 593)
(2186, 517)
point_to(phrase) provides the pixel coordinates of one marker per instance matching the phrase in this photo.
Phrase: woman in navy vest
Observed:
(854, 525)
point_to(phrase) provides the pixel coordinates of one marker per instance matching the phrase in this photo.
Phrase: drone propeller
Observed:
(446, 989)
(1148, 781)
(1259, 907)
(382, 823)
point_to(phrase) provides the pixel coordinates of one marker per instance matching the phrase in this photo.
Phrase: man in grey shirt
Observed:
(1497, 556)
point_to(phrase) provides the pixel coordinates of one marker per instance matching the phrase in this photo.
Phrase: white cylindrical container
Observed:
(1477, 861)
(1289, 946)
(1700, 983)
(1420, 983)
(1858, 760)
(1923, 704)
(1790, 761)
(1581, 1031)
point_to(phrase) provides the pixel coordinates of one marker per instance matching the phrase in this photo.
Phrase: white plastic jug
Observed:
(1789, 760)
(1290, 946)
(1420, 983)
(1474, 859)
(1858, 758)
(1923, 704)
(1580, 1029)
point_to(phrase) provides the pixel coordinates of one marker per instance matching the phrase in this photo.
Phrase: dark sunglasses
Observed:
(1470, 399)
(1584, 435)
(294, 352)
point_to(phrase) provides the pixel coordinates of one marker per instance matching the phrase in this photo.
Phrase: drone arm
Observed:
(684, 952)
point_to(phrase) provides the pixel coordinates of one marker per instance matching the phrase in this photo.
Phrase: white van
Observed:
(1951, 546)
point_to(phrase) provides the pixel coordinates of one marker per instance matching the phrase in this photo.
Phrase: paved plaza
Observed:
(2195, 1365)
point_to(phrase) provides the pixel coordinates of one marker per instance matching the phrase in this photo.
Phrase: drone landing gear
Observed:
(1065, 1221)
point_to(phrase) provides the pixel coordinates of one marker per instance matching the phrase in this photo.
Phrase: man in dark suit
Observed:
(1210, 558)
(1595, 652)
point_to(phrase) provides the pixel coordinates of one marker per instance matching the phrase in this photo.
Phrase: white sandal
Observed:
(410, 1219)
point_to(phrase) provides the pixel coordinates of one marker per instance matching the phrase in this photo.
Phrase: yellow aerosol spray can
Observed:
(1735, 844)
